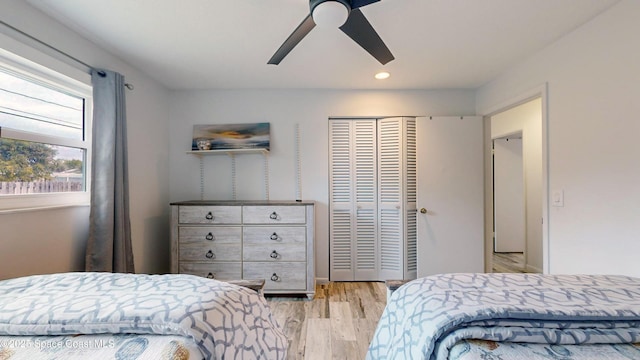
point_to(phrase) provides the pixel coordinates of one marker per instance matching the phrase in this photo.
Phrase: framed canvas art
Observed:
(231, 136)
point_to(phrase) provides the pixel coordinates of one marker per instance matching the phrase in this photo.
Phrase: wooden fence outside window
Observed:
(39, 187)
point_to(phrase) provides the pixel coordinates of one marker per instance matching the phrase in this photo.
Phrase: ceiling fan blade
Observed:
(360, 3)
(360, 30)
(296, 36)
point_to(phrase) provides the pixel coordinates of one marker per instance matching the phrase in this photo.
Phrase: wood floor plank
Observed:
(342, 321)
(371, 307)
(337, 291)
(290, 315)
(316, 309)
(377, 292)
(337, 324)
(357, 302)
(296, 323)
(508, 263)
(318, 340)
(364, 334)
(344, 350)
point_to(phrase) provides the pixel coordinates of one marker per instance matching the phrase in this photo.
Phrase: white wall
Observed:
(593, 77)
(55, 240)
(527, 119)
(283, 109)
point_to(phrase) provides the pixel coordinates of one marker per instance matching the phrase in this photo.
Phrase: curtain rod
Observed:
(88, 68)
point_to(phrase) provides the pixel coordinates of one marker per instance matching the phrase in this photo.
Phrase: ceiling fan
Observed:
(344, 14)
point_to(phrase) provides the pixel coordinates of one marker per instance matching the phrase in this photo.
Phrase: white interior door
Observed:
(450, 189)
(508, 195)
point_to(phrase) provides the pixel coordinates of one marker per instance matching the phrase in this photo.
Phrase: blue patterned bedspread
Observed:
(426, 317)
(224, 320)
(470, 349)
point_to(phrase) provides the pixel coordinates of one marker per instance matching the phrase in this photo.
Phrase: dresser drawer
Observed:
(267, 235)
(278, 276)
(220, 271)
(209, 215)
(274, 214)
(209, 252)
(209, 234)
(274, 253)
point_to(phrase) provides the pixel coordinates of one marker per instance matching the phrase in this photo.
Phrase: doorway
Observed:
(517, 188)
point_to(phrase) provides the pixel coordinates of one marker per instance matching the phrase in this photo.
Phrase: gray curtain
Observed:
(109, 246)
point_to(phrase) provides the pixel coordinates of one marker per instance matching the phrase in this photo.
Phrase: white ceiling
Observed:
(213, 44)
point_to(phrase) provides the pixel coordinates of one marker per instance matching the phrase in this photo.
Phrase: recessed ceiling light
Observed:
(382, 75)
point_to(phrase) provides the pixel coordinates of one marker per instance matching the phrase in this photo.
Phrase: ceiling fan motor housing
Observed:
(314, 3)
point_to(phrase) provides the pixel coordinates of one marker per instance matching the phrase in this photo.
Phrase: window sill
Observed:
(35, 202)
(40, 208)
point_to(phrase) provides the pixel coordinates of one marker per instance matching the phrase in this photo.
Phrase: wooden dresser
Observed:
(233, 240)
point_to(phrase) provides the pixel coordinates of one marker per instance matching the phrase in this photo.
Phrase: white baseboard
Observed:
(322, 281)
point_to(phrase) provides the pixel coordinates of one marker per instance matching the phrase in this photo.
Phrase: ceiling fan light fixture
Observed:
(342, 14)
(382, 75)
(330, 14)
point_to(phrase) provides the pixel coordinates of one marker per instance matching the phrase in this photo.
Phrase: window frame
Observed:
(19, 66)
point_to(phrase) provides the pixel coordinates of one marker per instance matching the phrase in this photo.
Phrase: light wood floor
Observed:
(341, 319)
(337, 324)
(508, 263)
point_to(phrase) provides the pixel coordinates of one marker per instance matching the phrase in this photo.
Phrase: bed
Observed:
(134, 316)
(511, 316)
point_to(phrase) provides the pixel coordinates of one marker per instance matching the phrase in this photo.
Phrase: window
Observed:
(45, 127)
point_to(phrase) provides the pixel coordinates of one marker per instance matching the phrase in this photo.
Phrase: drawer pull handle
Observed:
(273, 236)
(211, 276)
(274, 254)
(273, 216)
(210, 254)
(209, 216)
(275, 277)
(209, 236)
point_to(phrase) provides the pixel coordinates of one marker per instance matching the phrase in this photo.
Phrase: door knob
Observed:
(423, 210)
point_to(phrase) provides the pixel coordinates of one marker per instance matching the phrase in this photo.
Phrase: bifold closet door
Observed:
(353, 200)
(372, 199)
(396, 198)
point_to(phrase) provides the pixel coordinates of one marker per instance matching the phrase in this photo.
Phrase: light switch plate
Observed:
(557, 198)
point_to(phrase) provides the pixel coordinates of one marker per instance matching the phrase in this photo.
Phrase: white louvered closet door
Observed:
(353, 197)
(372, 199)
(366, 193)
(410, 202)
(341, 198)
(397, 198)
(390, 204)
